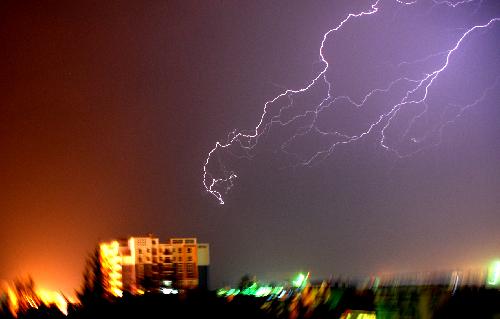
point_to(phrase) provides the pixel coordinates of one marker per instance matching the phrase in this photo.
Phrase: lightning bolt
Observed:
(413, 91)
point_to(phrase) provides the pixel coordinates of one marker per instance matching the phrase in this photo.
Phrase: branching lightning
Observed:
(414, 91)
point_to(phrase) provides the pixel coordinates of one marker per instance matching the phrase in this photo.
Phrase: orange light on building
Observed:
(111, 267)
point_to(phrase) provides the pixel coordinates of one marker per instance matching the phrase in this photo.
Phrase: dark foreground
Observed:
(385, 303)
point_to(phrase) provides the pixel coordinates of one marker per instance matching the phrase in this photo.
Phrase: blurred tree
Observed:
(93, 287)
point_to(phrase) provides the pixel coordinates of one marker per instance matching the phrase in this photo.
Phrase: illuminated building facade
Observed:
(111, 268)
(140, 264)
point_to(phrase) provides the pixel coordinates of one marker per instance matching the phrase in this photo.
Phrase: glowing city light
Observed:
(169, 291)
(494, 274)
(13, 301)
(301, 280)
(54, 298)
(19, 300)
(356, 314)
(111, 266)
(254, 290)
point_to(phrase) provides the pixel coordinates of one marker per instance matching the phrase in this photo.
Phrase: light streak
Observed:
(416, 92)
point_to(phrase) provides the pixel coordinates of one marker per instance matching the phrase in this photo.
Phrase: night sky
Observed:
(109, 110)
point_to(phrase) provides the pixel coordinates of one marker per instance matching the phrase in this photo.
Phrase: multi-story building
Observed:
(140, 264)
(185, 261)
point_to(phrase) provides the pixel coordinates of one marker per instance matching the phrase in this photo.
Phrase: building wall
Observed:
(203, 254)
(184, 259)
(203, 265)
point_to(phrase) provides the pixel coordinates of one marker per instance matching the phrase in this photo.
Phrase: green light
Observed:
(263, 291)
(255, 290)
(250, 291)
(232, 292)
(277, 290)
(376, 283)
(494, 274)
(221, 292)
(300, 280)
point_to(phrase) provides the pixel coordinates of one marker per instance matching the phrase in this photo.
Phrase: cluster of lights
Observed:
(255, 291)
(169, 291)
(298, 283)
(19, 302)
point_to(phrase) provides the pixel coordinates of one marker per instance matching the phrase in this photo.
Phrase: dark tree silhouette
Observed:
(93, 287)
(26, 294)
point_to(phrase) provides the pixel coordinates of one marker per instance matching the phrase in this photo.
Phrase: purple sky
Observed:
(110, 110)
